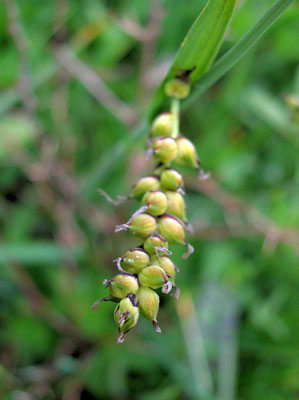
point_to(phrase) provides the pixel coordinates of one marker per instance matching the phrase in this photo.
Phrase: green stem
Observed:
(175, 111)
(230, 58)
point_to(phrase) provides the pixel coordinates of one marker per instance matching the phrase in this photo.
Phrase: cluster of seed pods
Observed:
(160, 221)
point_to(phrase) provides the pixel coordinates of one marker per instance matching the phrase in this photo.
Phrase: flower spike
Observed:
(160, 221)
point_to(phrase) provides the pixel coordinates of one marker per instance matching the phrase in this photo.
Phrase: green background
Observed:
(234, 331)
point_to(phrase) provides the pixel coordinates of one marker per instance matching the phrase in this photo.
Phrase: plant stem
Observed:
(175, 111)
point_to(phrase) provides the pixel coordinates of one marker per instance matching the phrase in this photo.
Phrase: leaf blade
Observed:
(201, 44)
(243, 45)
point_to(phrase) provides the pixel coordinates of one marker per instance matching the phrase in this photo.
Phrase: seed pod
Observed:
(166, 264)
(144, 185)
(171, 179)
(133, 261)
(186, 153)
(164, 149)
(162, 125)
(143, 225)
(157, 202)
(173, 230)
(177, 88)
(140, 225)
(149, 305)
(121, 285)
(126, 315)
(154, 277)
(155, 244)
(176, 205)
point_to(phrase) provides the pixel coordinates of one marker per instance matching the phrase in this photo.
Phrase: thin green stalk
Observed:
(175, 111)
(238, 50)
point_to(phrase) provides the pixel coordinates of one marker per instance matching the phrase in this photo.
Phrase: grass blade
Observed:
(200, 46)
(239, 49)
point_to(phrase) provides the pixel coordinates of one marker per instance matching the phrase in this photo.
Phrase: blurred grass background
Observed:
(76, 76)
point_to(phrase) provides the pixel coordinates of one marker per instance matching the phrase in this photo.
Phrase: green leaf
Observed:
(226, 62)
(199, 48)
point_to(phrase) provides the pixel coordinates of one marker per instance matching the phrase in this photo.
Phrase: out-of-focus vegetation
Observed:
(75, 78)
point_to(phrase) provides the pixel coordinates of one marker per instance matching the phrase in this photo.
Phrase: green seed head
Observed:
(143, 225)
(153, 276)
(153, 242)
(166, 264)
(157, 202)
(171, 179)
(176, 205)
(186, 153)
(165, 149)
(172, 229)
(149, 305)
(135, 260)
(177, 88)
(144, 185)
(122, 284)
(162, 125)
(126, 315)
